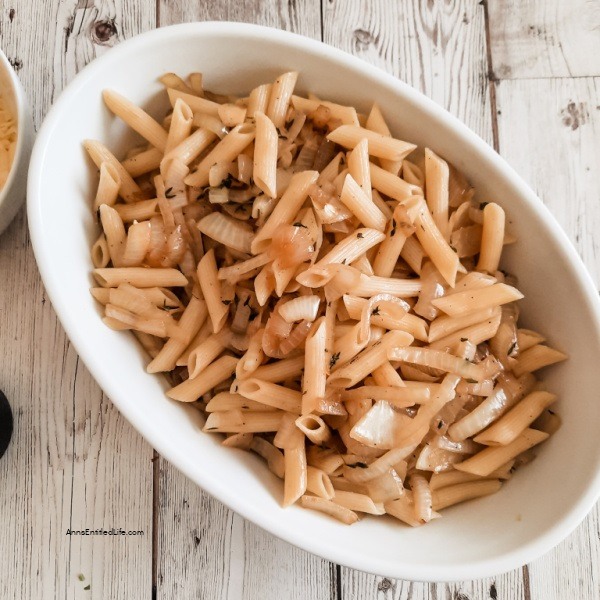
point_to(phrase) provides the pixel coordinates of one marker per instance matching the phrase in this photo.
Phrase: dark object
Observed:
(6, 423)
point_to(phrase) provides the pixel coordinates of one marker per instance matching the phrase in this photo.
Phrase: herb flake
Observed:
(227, 181)
(333, 360)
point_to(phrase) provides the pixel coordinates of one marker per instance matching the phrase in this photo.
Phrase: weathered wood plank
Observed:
(205, 551)
(359, 585)
(439, 48)
(544, 38)
(560, 161)
(73, 462)
(299, 16)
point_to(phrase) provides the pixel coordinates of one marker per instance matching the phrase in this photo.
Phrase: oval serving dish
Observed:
(538, 508)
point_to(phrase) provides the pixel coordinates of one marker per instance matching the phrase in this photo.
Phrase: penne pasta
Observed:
(143, 162)
(205, 353)
(140, 277)
(295, 477)
(259, 99)
(280, 96)
(319, 483)
(454, 494)
(349, 136)
(138, 119)
(137, 211)
(357, 502)
(192, 319)
(436, 182)
(225, 151)
(435, 245)
(359, 203)
(490, 459)
(270, 394)
(225, 401)
(100, 253)
(196, 103)
(211, 290)
(217, 372)
(376, 122)
(462, 303)
(368, 360)
(286, 209)
(537, 357)
(129, 190)
(444, 325)
(345, 114)
(181, 125)
(238, 422)
(345, 515)
(314, 428)
(315, 368)
(108, 186)
(516, 420)
(327, 304)
(492, 238)
(265, 155)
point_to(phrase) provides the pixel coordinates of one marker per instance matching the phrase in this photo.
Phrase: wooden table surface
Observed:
(524, 75)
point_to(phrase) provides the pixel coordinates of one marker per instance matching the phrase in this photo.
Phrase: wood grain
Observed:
(359, 585)
(437, 47)
(545, 38)
(299, 16)
(561, 162)
(73, 462)
(207, 551)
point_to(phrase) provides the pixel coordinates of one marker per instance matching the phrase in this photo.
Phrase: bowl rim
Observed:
(486, 566)
(21, 116)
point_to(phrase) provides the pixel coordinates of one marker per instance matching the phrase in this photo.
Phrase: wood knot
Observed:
(103, 31)
(16, 63)
(384, 585)
(574, 115)
(363, 37)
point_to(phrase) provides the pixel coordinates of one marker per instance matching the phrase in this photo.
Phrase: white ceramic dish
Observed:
(537, 508)
(12, 194)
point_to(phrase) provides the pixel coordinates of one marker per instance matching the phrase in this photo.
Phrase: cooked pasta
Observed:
(328, 304)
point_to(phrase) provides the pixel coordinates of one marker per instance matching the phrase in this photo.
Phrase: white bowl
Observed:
(12, 194)
(532, 513)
